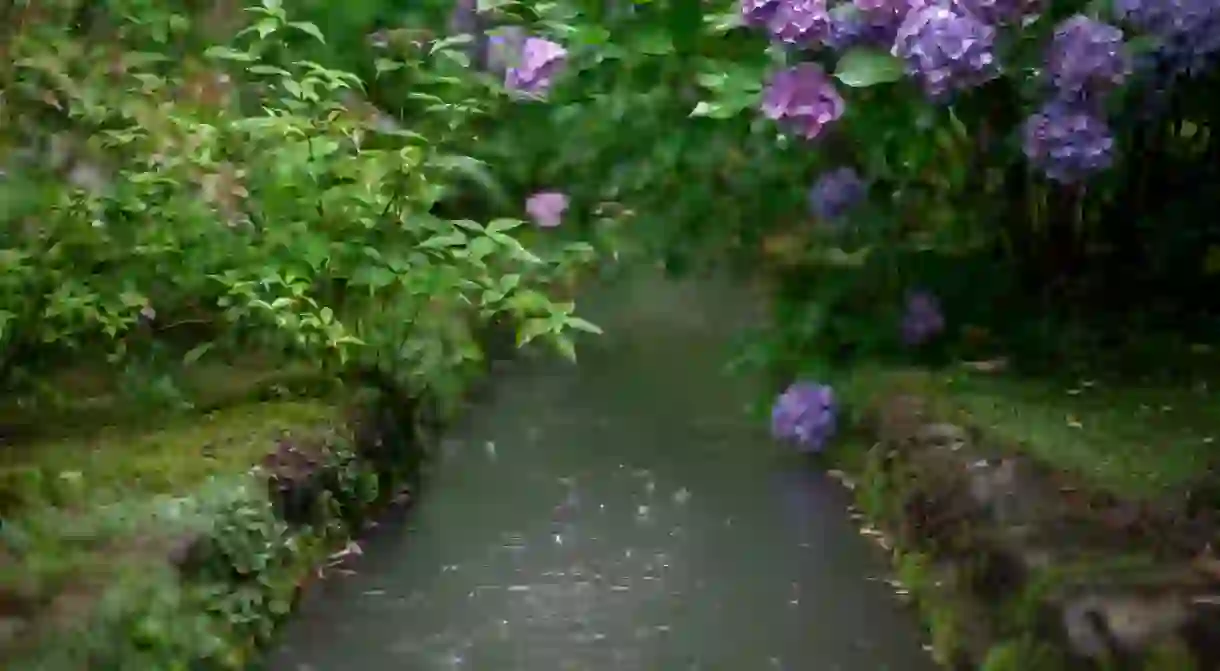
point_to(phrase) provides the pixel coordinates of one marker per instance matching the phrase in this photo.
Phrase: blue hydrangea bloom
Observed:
(802, 99)
(922, 319)
(1068, 142)
(835, 193)
(1086, 58)
(946, 49)
(805, 415)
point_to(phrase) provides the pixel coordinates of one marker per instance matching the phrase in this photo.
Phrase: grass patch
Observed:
(1138, 441)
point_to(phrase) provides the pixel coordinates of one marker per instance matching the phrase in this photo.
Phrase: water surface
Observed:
(625, 513)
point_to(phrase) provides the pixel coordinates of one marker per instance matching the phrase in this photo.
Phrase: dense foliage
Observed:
(193, 185)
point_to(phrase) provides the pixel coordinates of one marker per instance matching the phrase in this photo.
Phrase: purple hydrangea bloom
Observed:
(946, 49)
(546, 208)
(1188, 31)
(539, 61)
(836, 193)
(758, 13)
(922, 319)
(847, 29)
(1087, 57)
(801, 22)
(804, 415)
(865, 22)
(803, 99)
(1068, 142)
(1000, 12)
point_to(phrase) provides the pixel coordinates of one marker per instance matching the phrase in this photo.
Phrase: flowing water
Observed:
(625, 513)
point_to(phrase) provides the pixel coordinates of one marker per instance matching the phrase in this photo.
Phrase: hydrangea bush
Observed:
(1045, 136)
(890, 143)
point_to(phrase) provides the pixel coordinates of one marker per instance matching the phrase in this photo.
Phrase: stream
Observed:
(623, 513)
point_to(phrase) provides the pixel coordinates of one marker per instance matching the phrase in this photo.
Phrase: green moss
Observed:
(938, 604)
(1116, 438)
(119, 462)
(1170, 655)
(174, 559)
(87, 398)
(1024, 654)
(1135, 441)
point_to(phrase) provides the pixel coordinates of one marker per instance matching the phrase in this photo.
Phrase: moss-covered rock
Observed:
(1013, 564)
(184, 546)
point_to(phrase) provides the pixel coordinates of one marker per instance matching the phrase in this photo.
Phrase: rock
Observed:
(899, 418)
(942, 435)
(1010, 491)
(11, 629)
(1099, 626)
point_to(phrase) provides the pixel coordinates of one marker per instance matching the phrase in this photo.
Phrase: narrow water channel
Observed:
(621, 514)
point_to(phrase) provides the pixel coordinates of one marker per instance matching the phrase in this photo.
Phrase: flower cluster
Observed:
(878, 20)
(796, 22)
(803, 99)
(835, 194)
(805, 416)
(538, 63)
(922, 319)
(946, 49)
(1188, 31)
(1086, 58)
(1068, 139)
(801, 22)
(546, 208)
(850, 28)
(758, 13)
(1000, 12)
(1067, 142)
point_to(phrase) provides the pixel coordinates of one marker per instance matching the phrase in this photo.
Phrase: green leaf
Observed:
(262, 69)
(583, 325)
(196, 353)
(386, 65)
(531, 329)
(565, 347)
(266, 27)
(227, 54)
(472, 226)
(716, 110)
(453, 239)
(861, 67)
(482, 247)
(509, 282)
(503, 225)
(311, 29)
(654, 43)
